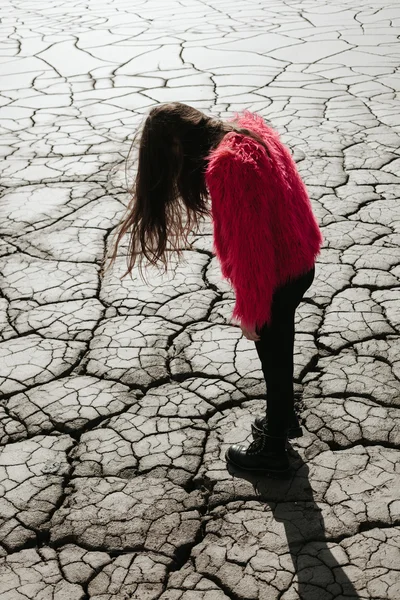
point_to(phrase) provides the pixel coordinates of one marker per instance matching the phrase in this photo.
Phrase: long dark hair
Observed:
(169, 194)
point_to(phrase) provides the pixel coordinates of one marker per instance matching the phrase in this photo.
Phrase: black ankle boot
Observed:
(260, 425)
(266, 453)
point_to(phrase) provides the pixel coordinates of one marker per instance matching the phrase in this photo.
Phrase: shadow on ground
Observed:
(319, 575)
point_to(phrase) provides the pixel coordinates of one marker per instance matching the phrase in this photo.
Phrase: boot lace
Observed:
(256, 445)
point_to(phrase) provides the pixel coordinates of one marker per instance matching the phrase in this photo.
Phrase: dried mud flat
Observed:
(119, 399)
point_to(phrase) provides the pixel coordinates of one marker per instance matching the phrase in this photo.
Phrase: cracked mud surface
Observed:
(118, 399)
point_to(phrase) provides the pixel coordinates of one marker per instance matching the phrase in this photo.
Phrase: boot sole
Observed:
(295, 432)
(273, 472)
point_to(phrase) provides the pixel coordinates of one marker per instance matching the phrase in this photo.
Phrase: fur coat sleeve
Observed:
(241, 210)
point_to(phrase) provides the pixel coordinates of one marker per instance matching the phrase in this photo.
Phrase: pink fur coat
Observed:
(265, 232)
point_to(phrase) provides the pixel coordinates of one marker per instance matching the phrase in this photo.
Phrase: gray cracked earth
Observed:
(120, 398)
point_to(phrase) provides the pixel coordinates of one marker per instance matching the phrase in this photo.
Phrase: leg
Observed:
(268, 453)
(275, 350)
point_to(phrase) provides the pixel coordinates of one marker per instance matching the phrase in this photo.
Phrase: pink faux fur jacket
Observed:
(265, 232)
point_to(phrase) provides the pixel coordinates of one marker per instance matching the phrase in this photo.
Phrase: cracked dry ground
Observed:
(120, 398)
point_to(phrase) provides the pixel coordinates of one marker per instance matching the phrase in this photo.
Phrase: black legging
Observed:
(275, 350)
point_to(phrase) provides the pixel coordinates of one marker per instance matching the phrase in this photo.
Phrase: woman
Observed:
(265, 237)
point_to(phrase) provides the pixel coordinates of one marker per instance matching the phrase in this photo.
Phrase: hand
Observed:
(250, 333)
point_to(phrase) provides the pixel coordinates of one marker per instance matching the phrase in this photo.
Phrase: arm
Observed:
(241, 208)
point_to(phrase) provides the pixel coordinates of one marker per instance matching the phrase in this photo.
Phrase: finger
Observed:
(251, 335)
